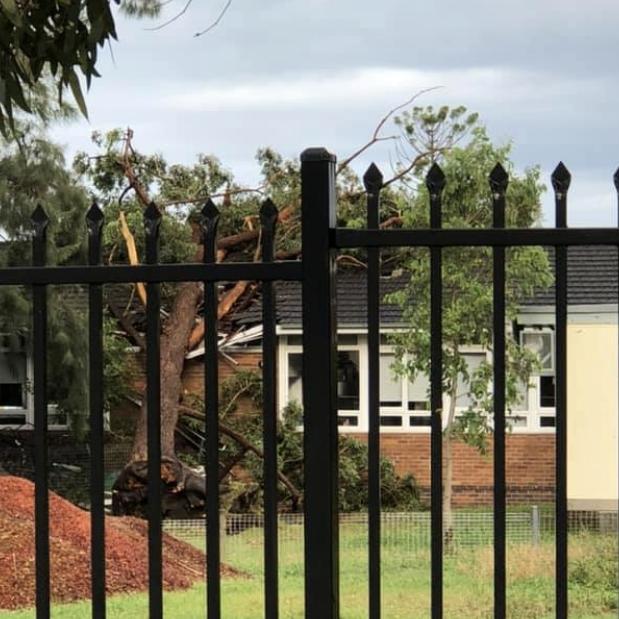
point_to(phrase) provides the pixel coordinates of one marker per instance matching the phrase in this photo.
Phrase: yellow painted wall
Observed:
(593, 403)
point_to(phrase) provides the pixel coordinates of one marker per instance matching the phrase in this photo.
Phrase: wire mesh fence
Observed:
(407, 531)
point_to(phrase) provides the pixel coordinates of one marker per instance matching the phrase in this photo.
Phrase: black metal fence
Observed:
(321, 240)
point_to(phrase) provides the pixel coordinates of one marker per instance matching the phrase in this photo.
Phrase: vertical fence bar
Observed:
(561, 182)
(435, 182)
(152, 221)
(268, 220)
(498, 185)
(40, 222)
(319, 385)
(210, 219)
(373, 181)
(94, 222)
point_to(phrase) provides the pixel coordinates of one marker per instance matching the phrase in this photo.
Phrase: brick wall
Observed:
(529, 467)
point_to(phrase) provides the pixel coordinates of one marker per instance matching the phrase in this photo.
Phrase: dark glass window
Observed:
(390, 420)
(420, 421)
(547, 391)
(348, 380)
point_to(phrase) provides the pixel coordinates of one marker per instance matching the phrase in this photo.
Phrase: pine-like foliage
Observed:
(32, 172)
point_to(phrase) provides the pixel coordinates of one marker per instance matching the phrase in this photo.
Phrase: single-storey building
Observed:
(405, 418)
(593, 374)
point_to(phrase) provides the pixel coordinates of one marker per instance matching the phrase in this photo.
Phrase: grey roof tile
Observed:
(592, 280)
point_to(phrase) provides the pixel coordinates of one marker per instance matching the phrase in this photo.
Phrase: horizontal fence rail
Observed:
(344, 238)
(147, 273)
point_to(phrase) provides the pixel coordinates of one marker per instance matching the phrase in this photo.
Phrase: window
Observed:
(403, 403)
(348, 386)
(15, 397)
(390, 384)
(540, 396)
(13, 392)
(295, 377)
(349, 379)
(12, 379)
(473, 361)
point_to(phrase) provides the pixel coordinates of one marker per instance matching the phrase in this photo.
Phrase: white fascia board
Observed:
(576, 314)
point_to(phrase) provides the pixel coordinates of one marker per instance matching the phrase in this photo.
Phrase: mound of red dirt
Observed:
(125, 546)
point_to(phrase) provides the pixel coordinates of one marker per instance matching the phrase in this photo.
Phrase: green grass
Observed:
(468, 582)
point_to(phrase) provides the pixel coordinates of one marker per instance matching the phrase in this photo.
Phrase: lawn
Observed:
(405, 593)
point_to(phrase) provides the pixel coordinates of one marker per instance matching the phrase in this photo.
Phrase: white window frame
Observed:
(28, 409)
(360, 347)
(533, 415)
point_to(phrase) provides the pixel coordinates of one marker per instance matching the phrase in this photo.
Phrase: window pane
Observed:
(473, 361)
(541, 344)
(348, 380)
(295, 377)
(547, 391)
(390, 420)
(418, 393)
(523, 396)
(390, 384)
(12, 378)
(11, 395)
(420, 421)
(12, 367)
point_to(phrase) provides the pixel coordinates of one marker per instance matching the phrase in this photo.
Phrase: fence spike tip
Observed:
(561, 178)
(373, 178)
(209, 210)
(94, 216)
(39, 218)
(498, 178)
(435, 179)
(268, 213)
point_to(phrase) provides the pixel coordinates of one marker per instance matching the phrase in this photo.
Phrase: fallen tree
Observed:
(128, 181)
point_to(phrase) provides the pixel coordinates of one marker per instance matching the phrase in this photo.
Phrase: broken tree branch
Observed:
(244, 443)
(132, 253)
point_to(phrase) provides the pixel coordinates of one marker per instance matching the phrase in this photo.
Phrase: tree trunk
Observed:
(448, 522)
(174, 340)
(183, 490)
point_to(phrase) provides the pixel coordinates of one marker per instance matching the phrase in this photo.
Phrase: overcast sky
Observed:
(296, 73)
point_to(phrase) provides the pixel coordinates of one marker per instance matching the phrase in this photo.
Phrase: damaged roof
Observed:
(592, 280)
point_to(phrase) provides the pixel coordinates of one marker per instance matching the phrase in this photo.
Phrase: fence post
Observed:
(319, 386)
(535, 525)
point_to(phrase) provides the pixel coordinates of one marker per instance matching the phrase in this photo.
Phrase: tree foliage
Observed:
(55, 41)
(467, 303)
(241, 409)
(32, 172)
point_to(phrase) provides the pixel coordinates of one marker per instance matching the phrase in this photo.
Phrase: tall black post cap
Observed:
(318, 153)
